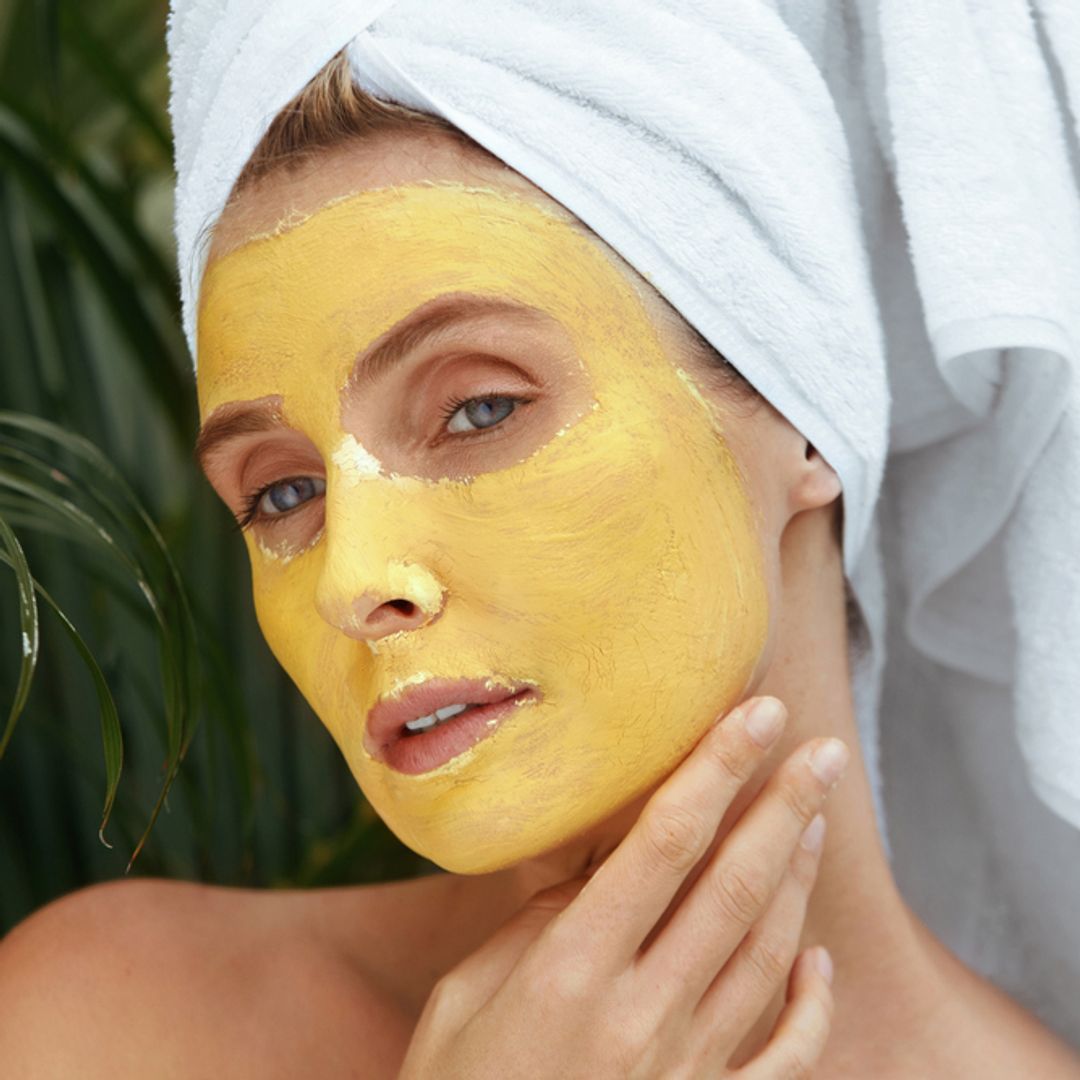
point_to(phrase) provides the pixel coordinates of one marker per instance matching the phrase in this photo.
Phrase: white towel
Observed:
(836, 193)
(695, 190)
(984, 155)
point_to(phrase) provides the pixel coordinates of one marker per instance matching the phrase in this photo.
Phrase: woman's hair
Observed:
(331, 110)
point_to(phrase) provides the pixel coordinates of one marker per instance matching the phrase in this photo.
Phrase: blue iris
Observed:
(479, 411)
(289, 494)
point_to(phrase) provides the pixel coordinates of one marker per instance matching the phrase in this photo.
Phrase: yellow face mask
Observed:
(596, 546)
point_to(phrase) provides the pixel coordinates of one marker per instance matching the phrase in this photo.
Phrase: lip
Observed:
(389, 742)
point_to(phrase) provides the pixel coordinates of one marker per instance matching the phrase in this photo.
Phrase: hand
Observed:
(590, 980)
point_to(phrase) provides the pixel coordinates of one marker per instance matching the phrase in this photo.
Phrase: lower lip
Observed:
(427, 750)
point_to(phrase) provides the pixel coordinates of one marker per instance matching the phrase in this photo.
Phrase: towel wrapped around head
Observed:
(848, 199)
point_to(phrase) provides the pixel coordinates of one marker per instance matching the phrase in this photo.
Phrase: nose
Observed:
(402, 596)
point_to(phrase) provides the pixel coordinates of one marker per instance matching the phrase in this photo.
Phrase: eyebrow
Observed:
(236, 419)
(427, 322)
(418, 328)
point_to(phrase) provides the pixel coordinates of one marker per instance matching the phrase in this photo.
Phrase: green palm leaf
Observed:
(28, 622)
(154, 660)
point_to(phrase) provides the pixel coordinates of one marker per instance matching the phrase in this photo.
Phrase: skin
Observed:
(512, 578)
(311, 983)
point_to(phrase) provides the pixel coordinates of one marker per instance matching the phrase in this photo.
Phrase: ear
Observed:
(813, 482)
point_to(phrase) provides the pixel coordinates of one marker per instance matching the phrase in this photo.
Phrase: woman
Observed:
(377, 292)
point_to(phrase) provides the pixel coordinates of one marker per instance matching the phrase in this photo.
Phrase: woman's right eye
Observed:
(280, 498)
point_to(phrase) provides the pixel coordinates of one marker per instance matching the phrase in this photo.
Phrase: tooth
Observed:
(421, 723)
(450, 710)
(439, 716)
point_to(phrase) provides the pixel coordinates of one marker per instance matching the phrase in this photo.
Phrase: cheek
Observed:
(622, 573)
(618, 525)
(317, 657)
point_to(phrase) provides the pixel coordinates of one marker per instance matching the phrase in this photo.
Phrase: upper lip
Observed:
(387, 717)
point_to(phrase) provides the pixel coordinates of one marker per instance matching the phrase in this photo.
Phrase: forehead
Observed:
(314, 263)
(290, 314)
(298, 189)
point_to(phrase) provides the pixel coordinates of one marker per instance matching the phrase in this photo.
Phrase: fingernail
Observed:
(823, 962)
(765, 721)
(814, 834)
(829, 761)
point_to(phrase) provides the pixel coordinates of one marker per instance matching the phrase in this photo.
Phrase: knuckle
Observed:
(770, 957)
(674, 837)
(725, 760)
(804, 868)
(740, 891)
(794, 792)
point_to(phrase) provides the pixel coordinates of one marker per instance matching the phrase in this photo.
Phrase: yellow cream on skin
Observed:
(617, 566)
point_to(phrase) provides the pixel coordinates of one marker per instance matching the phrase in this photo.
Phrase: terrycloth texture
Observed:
(984, 154)
(772, 248)
(836, 193)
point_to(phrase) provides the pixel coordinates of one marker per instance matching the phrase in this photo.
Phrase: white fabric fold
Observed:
(853, 200)
(973, 115)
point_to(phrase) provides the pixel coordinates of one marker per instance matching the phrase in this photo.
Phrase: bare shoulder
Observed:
(170, 979)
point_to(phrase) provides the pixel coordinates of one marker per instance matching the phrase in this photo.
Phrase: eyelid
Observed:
(273, 459)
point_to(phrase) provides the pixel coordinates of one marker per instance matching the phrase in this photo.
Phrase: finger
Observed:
(802, 1028)
(642, 875)
(740, 994)
(478, 977)
(742, 876)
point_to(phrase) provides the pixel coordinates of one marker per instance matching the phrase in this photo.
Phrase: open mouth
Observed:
(426, 742)
(448, 713)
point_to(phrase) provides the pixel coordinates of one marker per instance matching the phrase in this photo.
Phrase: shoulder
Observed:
(196, 979)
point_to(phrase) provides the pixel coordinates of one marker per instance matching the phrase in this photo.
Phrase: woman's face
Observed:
(475, 472)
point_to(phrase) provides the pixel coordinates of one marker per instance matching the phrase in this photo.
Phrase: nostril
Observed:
(390, 612)
(370, 616)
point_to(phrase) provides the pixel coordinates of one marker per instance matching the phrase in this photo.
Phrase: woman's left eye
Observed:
(480, 413)
(281, 497)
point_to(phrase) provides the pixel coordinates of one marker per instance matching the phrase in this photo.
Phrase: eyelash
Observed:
(455, 404)
(250, 512)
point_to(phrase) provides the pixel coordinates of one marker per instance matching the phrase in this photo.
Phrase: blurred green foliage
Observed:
(104, 518)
